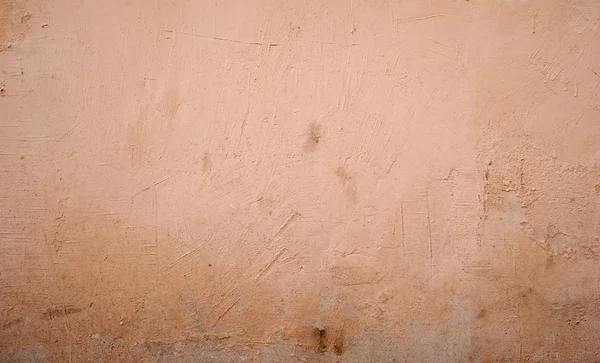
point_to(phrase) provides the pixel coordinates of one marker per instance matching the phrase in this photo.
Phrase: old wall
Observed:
(300, 180)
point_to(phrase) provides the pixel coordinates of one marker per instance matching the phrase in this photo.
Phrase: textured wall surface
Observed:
(301, 180)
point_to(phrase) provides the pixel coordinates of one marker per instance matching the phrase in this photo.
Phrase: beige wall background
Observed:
(300, 180)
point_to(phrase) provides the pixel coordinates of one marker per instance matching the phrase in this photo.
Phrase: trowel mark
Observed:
(293, 218)
(270, 265)
(225, 312)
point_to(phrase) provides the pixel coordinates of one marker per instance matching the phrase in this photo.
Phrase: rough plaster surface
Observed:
(299, 180)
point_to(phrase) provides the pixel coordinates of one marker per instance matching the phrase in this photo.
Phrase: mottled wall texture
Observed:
(300, 180)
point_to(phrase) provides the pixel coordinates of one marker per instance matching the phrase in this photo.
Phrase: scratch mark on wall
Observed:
(268, 44)
(402, 230)
(429, 233)
(293, 218)
(268, 267)
(155, 205)
(400, 21)
(60, 287)
(68, 132)
(245, 120)
(53, 313)
(224, 313)
(178, 262)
